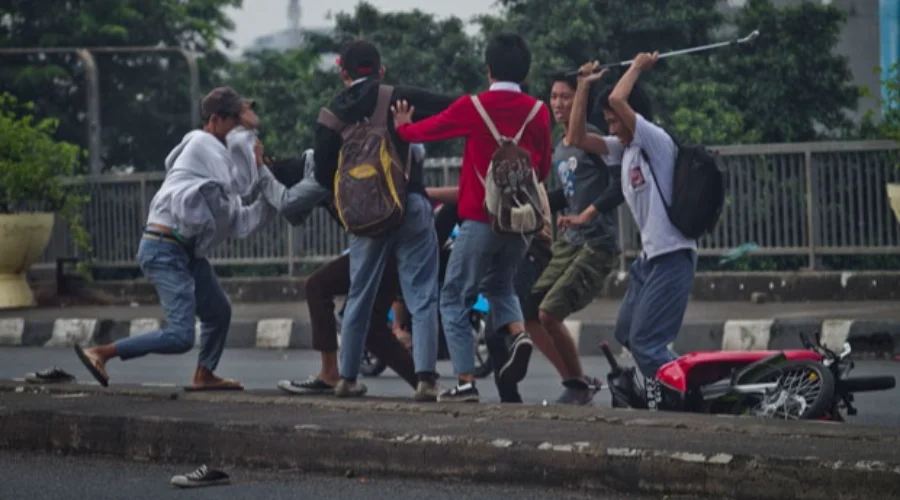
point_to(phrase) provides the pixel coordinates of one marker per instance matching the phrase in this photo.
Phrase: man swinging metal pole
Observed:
(690, 50)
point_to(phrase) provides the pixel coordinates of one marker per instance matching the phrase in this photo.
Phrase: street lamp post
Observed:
(93, 85)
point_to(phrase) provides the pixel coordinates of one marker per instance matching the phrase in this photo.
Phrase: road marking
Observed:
(11, 331)
(70, 331)
(141, 326)
(274, 333)
(747, 335)
(835, 332)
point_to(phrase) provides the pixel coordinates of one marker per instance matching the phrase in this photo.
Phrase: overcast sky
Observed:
(261, 17)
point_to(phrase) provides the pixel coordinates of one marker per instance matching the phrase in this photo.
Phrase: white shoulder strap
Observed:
(534, 112)
(487, 119)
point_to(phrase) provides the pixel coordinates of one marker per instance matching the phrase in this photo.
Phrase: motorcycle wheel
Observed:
(370, 365)
(483, 364)
(806, 391)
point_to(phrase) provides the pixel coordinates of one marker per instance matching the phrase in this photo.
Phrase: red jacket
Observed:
(508, 110)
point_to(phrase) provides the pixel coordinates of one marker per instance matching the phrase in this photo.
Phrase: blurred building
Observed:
(293, 37)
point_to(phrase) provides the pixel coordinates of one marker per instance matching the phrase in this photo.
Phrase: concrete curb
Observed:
(879, 338)
(546, 461)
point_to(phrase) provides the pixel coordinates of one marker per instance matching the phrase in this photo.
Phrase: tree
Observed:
(791, 80)
(145, 104)
(289, 90)
(773, 90)
(566, 33)
(417, 50)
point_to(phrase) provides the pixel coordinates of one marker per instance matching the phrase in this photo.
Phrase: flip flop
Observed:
(93, 366)
(224, 385)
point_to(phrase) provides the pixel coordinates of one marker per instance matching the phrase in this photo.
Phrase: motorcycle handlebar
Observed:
(609, 355)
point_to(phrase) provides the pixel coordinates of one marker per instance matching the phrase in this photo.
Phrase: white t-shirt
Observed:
(658, 235)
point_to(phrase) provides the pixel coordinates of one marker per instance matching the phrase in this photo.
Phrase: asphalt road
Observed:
(261, 369)
(46, 477)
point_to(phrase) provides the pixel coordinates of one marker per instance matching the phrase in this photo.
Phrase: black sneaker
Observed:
(509, 393)
(516, 368)
(201, 477)
(310, 386)
(54, 375)
(462, 393)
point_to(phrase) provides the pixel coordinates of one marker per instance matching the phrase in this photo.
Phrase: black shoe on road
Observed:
(201, 477)
(53, 375)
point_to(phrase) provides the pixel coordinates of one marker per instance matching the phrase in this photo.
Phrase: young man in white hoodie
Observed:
(198, 206)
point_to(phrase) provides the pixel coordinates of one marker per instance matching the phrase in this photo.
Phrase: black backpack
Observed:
(698, 190)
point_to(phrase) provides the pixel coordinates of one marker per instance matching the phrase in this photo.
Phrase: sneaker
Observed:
(310, 386)
(203, 476)
(462, 393)
(579, 392)
(54, 375)
(516, 368)
(427, 392)
(350, 389)
(509, 393)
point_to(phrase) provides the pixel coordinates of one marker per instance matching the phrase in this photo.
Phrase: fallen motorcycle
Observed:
(803, 384)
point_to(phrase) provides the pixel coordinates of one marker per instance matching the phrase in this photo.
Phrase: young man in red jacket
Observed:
(481, 259)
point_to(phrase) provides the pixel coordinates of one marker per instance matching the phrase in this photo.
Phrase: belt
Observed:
(150, 234)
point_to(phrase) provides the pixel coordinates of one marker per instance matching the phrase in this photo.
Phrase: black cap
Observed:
(360, 59)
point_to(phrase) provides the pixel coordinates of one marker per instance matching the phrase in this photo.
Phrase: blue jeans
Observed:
(187, 288)
(416, 248)
(480, 261)
(653, 307)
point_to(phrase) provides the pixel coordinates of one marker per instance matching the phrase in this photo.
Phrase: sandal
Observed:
(219, 385)
(93, 365)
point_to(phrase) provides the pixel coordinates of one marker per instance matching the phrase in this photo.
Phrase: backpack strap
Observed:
(487, 119)
(531, 115)
(658, 189)
(382, 105)
(330, 120)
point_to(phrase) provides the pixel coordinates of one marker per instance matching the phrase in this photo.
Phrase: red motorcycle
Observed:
(802, 384)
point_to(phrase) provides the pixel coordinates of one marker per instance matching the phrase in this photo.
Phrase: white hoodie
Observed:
(201, 195)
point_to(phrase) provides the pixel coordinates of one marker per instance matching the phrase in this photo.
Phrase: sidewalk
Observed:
(873, 327)
(585, 448)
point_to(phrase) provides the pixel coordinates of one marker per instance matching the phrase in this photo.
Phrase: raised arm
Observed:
(244, 169)
(618, 98)
(426, 103)
(451, 123)
(577, 133)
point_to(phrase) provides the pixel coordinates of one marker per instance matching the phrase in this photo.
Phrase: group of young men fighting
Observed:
(531, 283)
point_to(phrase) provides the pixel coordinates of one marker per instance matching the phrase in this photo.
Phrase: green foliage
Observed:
(772, 90)
(145, 106)
(33, 165)
(790, 78)
(289, 90)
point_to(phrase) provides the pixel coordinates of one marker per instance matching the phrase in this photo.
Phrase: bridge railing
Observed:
(805, 199)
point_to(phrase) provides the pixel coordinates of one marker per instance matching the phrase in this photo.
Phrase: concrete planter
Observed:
(893, 192)
(23, 238)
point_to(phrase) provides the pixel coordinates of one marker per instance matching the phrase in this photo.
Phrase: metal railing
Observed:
(806, 199)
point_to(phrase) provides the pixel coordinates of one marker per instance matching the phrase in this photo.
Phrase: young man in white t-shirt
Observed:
(660, 280)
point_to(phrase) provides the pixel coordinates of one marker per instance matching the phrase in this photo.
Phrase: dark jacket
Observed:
(358, 102)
